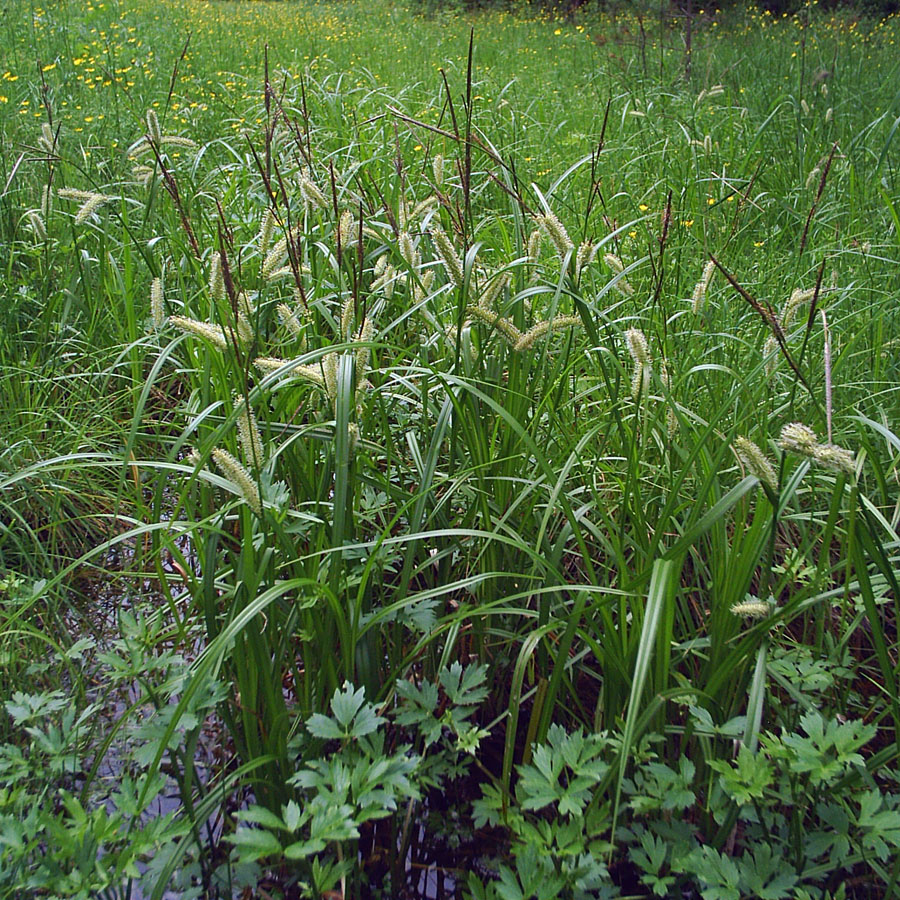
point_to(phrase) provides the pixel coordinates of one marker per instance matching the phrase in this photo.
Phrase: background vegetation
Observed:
(448, 442)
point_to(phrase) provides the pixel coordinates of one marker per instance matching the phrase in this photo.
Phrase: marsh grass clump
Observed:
(429, 493)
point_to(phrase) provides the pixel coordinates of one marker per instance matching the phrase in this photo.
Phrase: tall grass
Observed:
(451, 455)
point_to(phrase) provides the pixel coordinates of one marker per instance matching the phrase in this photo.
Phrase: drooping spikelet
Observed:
(555, 230)
(310, 192)
(289, 320)
(756, 462)
(493, 290)
(407, 248)
(797, 299)
(330, 364)
(421, 291)
(243, 328)
(346, 234)
(537, 331)
(771, 355)
(91, 201)
(216, 277)
(347, 315)
(47, 140)
(154, 132)
(142, 174)
(585, 256)
(811, 178)
(798, 438)
(236, 473)
(157, 303)
(618, 267)
(751, 609)
(421, 208)
(248, 432)
(699, 295)
(177, 140)
(266, 228)
(274, 258)
(212, 333)
(504, 326)
(36, 224)
(437, 166)
(838, 459)
(312, 374)
(452, 263)
(643, 362)
(614, 263)
(534, 245)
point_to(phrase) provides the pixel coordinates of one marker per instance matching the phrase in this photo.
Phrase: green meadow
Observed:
(448, 453)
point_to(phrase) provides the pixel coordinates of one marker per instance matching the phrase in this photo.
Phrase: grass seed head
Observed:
(756, 462)
(556, 231)
(452, 263)
(248, 432)
(157, 303)
(798, 438)
(236, 473)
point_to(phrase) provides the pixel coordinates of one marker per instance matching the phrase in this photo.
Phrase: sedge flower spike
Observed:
(699, 295)
(157, 303)
(212, 333)
(248, 432)
(154, 132)
(216, 278)
(452, 263)
(751, 609)
(798, 438)
(640, 353)
(618, 267)
(312, 196)
(555, 230)
(756, 462)
(801, 439)
(266, 228)
(236, 473)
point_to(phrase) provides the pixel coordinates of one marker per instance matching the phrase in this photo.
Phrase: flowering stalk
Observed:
(236, 473)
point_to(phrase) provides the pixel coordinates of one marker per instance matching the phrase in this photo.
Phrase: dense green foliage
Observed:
(502, 456)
